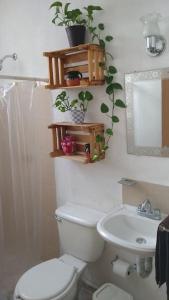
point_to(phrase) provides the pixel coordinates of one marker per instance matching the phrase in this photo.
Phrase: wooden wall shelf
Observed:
(83, 58)
(84, 134)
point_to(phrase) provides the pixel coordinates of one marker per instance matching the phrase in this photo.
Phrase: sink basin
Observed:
(124, 228)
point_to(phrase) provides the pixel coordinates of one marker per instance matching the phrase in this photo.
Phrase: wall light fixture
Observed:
(155, 42)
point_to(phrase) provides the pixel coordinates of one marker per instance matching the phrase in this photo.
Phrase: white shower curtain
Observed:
(28, 232)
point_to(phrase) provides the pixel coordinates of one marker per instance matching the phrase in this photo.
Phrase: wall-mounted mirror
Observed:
(147, 97)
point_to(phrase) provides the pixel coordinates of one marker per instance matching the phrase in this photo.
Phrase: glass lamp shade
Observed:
(151, 25)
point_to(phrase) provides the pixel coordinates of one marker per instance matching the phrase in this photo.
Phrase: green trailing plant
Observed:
(112, 88)
(63, 102)
(64, 16)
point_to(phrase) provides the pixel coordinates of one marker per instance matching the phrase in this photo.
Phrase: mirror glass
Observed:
(147, 98)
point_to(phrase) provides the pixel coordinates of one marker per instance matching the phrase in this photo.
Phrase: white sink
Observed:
(124, 228)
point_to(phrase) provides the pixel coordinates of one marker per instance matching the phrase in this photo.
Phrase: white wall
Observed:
(26, 29)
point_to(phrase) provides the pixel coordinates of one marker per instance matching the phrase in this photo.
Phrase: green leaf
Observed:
(120, 103)
(57, 103)
(62, 109)
(62, 95)
(82, 96)
(102, 43)
(53, 20)
(92, 29)
(73, 15)
(66, 8)
(96, 7)
(115, 119)
(108, 38)
(112, 70)
(105, 147)
(99, 138)
(101, 26)
(88, 96)
(73, 102)
(104, 108)
(57, 3)
(82, 22)
(108, 79)
(95, 157)
(117, 86)
(60, 24)
(109, 131)
(110, 89)
(91, 8)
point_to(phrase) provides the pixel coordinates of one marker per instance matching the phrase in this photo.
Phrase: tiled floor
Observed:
(85, 292)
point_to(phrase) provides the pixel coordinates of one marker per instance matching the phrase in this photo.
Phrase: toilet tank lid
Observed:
(79, 214)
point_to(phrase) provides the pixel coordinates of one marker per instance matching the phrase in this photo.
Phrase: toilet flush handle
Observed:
(59, 219)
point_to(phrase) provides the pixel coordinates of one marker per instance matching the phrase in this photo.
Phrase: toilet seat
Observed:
(47, 280)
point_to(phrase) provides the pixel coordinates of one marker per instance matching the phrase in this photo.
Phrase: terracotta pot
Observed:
(72, 82)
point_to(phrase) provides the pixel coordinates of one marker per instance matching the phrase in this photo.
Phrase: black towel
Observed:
(162, 255)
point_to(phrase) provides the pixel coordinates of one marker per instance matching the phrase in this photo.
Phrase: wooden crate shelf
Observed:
(83, 58)
(84, 134)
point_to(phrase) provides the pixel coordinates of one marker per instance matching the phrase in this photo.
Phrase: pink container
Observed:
(68, 145)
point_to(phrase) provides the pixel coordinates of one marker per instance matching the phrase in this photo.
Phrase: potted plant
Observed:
(77, 107)
(74, 20)
(73, 78)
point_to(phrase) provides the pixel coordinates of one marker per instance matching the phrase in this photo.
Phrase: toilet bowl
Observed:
(57, 279)
(51, 280)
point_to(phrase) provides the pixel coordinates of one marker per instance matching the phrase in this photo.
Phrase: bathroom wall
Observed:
(26, 29)
(157, 194)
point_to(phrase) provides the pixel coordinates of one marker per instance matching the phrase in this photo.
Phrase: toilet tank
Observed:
(77, 231)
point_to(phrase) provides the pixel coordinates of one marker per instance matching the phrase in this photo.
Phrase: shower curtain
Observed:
(28, 232)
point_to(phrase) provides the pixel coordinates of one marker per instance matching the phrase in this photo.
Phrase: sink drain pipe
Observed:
(144, 266)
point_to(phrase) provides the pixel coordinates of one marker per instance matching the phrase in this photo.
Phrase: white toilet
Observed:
(56, 279)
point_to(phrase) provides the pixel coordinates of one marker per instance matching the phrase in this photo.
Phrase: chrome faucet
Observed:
(145, 210)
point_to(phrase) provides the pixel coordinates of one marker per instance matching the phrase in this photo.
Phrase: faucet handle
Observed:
(157, 213)
(146, 206)
(139, 207)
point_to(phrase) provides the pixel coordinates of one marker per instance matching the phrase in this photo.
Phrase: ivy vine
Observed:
(112, 87)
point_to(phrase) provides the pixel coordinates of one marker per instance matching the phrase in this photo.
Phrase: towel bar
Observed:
(162, 228)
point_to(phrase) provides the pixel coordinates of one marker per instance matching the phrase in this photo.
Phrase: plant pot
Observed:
(76, 35)
(73, 82)
(68, 144)
(73, 78)
(78, 116)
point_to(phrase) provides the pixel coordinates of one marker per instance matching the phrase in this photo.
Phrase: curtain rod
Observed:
(23, 78)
